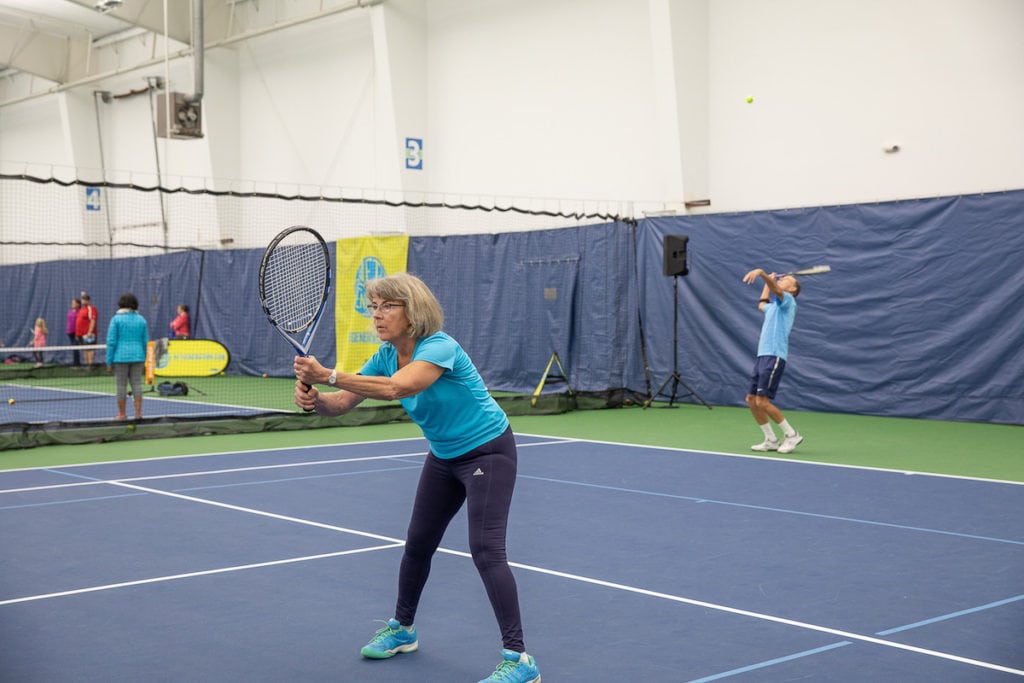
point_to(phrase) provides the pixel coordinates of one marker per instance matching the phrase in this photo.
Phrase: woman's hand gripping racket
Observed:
(295, 279)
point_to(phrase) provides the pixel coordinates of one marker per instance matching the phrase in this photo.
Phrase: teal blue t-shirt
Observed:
(456, 413)
(779, 315)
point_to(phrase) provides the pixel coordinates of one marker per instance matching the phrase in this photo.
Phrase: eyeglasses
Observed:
(384, 308)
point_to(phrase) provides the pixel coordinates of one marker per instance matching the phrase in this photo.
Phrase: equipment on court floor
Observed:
(554, 360)
(675, 265)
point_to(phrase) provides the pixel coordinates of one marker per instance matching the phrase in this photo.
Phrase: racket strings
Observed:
(294, 284)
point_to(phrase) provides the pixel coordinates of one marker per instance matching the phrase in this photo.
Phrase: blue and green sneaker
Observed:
(515, 667)
(391, 640)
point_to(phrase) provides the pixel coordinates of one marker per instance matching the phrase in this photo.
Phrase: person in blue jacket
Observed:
(472, 457)
(127, 338)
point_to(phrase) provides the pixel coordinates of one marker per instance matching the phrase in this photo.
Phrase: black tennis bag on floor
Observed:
(172, 389)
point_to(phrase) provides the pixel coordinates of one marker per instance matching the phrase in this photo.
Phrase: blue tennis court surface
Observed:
(633, 564)
(40, 405)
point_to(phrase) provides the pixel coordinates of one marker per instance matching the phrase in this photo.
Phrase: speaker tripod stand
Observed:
(675, 377)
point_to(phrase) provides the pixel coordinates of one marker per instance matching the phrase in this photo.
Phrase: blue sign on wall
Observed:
(92, 199)
(414, 153)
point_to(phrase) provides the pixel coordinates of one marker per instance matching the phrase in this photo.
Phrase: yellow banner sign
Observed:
(191, 358)
(361, 259)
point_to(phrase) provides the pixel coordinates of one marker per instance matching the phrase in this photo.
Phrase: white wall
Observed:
(306, 100)
(34, 132)
(539, 98)
(835, 82)
(589, 99)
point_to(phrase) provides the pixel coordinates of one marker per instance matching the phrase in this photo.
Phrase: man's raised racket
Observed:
(813, 270)
(295, 279)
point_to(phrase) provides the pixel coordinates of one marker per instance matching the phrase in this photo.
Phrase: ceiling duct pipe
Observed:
(180, 116)
(197, 52)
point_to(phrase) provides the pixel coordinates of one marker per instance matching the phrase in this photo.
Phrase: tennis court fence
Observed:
(62, 399)
(199, 246)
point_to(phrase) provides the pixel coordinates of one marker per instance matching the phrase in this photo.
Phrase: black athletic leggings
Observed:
(483, 478)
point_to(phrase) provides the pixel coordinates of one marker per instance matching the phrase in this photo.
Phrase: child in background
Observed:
(180, 325)
(39, 333)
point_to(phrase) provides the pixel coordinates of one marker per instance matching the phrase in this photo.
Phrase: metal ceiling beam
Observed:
(150, 16)
(218, 33)
(55, 58)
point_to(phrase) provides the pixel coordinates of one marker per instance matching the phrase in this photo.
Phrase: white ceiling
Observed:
(58, 17)
(26, 25)
(56, 41)
(47, 44)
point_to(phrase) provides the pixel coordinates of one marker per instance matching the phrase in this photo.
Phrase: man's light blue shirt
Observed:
(779, 315)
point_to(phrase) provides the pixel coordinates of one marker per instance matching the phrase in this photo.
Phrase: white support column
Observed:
(665, 115)
(82, 150)
(400, 59)
(690, 27)
(679, 49)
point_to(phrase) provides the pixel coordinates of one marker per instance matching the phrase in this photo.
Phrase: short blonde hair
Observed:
(421, 306)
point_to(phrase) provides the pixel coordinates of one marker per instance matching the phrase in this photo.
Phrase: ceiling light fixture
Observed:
(105, 6)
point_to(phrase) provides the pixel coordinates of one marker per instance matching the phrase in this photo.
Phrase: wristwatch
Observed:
(333, 378)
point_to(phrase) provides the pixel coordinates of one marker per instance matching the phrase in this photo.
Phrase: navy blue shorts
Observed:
(767, 374)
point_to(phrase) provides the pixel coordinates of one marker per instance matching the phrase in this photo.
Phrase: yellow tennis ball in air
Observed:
(11, 401)
(264, 375)
(750, 99)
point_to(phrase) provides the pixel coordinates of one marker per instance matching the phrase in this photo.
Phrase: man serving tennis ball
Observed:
(778, 303)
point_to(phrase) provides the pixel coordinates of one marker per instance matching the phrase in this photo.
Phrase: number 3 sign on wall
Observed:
(414, 153)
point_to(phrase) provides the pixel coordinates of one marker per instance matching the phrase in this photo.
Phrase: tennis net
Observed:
(60, 390)
(50, 356)
(200, 247)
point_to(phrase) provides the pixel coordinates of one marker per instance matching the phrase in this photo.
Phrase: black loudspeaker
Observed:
(675, 255)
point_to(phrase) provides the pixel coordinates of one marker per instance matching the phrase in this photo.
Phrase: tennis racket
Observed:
(295, 279)
(813, 270)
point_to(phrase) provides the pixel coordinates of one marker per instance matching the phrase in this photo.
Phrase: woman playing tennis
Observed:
(472, 457)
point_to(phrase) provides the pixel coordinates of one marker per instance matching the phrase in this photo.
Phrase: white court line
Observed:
(551, 440)
(182, 456)
(297, 447)
(203, 473)
(231, 470)
(847, 635)
(190, 575)
(393, 542)
(777, 459)
(261, 513)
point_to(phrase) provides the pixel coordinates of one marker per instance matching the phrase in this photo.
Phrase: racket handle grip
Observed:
(308, 387)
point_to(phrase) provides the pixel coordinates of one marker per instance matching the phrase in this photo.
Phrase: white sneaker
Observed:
(790, 443)
(767, 445)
